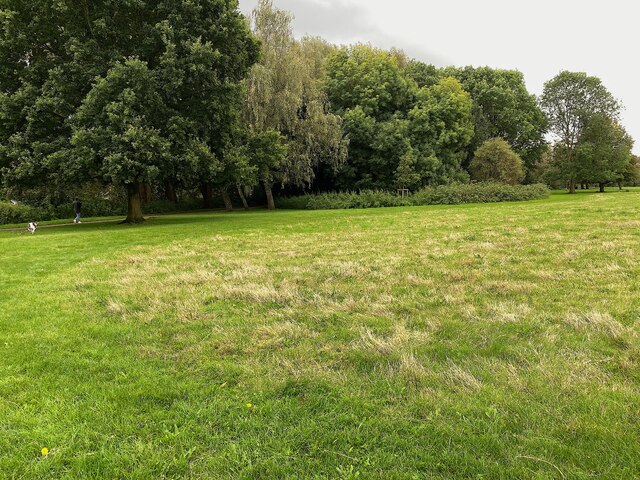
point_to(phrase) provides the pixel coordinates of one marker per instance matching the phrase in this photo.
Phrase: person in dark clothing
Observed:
(77, 209)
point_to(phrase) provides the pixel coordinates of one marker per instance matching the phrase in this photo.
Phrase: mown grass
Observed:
(476, 341)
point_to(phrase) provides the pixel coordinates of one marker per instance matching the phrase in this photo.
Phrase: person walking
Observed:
(77, 209)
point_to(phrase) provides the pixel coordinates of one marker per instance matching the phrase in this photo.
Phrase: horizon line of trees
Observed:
(192, 96)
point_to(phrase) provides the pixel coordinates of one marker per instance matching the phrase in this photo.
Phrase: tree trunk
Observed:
(145, 192)
(620, 186)
(602, 185)
(227, 200)
(243, 198)
(207, 195)
(572, 185)
(170, 192)
(134, 210)
(271, 205)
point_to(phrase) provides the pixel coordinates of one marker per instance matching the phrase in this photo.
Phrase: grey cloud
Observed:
(343, 22)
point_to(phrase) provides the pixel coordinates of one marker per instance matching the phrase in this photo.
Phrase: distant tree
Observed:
(388, 119)
(631, 175)
(495, 160)
(423, 74)
(503, 108)
(440, 128)
(368, 88)
(285, 95)
(267, 151)
(368, 78)
(603, 152)
(406, 175)
(569, 100)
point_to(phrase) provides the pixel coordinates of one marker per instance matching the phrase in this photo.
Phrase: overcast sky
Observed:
(538, 37)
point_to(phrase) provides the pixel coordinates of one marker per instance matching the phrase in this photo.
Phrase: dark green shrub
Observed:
(294, 203)
(441, 195)
(10, 213)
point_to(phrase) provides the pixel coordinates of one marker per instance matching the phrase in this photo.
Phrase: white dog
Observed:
(32, 227)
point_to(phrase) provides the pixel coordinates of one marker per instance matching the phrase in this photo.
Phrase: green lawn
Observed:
(480, 341)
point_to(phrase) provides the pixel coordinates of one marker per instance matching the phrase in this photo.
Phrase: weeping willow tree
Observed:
(285, 95)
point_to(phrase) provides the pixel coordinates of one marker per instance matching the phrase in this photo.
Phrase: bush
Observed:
(496, 161)
(479, 193)
(442, 195)
(293, 203)
(10, 213)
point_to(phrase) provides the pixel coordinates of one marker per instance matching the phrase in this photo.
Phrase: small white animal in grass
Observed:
(32, 227)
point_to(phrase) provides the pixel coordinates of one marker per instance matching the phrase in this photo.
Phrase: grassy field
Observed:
(481, 341)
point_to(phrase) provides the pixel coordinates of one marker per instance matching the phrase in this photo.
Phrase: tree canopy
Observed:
(603, 153)
(389, 120)
(285, 95)
(569, 100)
(503, 108)
(187, 58)
(189, 95)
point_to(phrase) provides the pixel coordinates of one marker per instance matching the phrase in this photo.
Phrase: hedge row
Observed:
(441, 195)
(10, 213)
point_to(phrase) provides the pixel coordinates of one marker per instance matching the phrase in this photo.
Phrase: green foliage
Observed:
(284, 94)
(502, 107)
(10, 213)
(348, 200)
(368, 78)
(239, 168)
(570, 99)
(603, 153)
(406, 175)
(631, 174)
(267, 151)
(454, 194)
(169, 93)
(440, 128)
(389, 120)
(496, 161)
(168, 72)
(118, 132)
(423, 74)
(368, 88)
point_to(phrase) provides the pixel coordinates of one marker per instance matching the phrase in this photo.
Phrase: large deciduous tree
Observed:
(192, 57)
(603, 153)
(285, 95)
(396, 130)
(118, 132)
(503, 108)
(441, 128)
(368, 88)
(569, 100)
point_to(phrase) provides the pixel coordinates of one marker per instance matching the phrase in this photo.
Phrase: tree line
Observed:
(193, 96)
